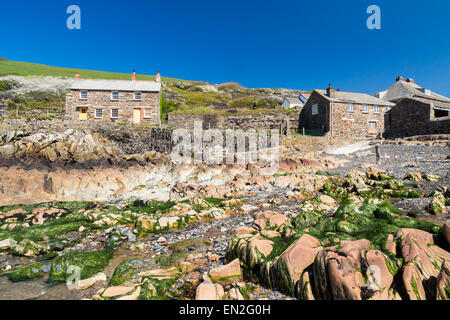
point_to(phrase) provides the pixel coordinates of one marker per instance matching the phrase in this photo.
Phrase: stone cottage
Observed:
(417, 111)
(114, 100)
(337, 113)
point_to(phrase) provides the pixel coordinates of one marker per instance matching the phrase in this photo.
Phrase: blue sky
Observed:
(285, 43)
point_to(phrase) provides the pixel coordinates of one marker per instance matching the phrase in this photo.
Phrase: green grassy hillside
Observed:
(33, 69)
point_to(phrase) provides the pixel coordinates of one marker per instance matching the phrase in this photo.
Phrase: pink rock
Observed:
(209, 291)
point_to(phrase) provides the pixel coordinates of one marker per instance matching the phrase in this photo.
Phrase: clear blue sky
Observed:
(295, 44)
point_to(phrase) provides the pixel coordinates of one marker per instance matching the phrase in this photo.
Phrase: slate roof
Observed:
(293, 100)
(402, 89)
(352, 97)
(118, 85)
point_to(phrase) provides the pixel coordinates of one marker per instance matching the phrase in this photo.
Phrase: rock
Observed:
(415, 176)
(86, 283)
(304, 290)
(128, 292)
(228, 273)
(29, 248)
(379, 278)
(244, 230)
(443, 282)
(209, 291)
(446, 231)
(421, 256)
(7, 244)
(235, 294)
(437, 206)
(327, 200)
(278, 221)
(288, 268)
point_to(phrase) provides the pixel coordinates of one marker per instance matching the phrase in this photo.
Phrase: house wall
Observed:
(356, 123)
(411, 117)
(317, 122)
(126, 104)
(350, 124)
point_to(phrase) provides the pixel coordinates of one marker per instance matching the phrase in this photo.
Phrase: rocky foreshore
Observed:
(321, 226)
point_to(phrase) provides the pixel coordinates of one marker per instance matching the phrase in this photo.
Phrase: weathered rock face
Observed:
(209, 291)
(227, 273)
(422, 262)
(443, 282)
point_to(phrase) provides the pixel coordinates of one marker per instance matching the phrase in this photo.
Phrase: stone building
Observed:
(119, 101)
(337, 113)
(409, 89)
(417, 116)
(417, 111)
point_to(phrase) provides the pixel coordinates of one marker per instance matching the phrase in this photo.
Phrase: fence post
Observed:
(377, 154)
(288, 128)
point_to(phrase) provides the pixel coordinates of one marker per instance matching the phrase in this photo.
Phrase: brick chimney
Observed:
(409, 80)
(158, 77)
(77, 76)
(399, 78)
(331, 92)
(133, 76)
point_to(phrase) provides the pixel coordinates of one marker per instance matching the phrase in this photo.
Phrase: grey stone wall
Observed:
(412, 117)
(244, 122)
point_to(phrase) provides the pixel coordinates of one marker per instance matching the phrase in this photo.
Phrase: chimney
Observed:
(409, 80)
(77, 76)
(330, 91)
(399, 78)
(158, 77)
(133, 76)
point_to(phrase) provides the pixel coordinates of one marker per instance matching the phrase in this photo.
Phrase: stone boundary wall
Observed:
(243, 122)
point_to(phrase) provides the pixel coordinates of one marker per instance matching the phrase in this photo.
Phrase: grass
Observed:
(33, 69)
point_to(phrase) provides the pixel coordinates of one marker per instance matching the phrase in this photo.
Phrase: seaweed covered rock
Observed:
(29, 248)
(34, 271)
(287, 269)
(443, 282)
(437, 206)
(78, 265)
(228, 273)
(423, 260)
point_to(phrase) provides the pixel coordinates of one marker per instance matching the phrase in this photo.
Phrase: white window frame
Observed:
(373, 122)
(388, 108)
(112, 117)
(112, 96)
(140, 96)
(81, 94)
(149, 109)
(376, 109)
(350, 108)
(95, 113)
(315, 109)
(365, 108)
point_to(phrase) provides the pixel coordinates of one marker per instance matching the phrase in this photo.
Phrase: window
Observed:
(388, 108)
(137, 96)
(114, 113)
(98, 113)
(83, 95)
(147, 113)
(376, 109)
(365, 108)
(315, 110)
(372, 125)
(350, 107)
(115, 95)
